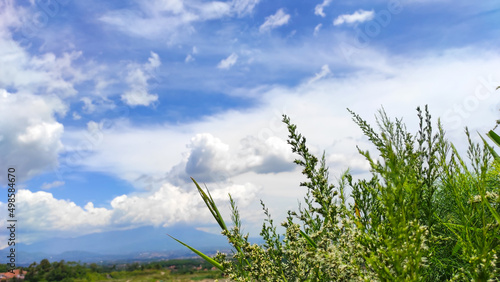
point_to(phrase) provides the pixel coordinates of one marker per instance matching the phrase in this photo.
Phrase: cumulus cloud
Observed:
(212, 160)
(171, 204)
(30, 139)
(165, 158)
(271, 155)
(274, 21)
(137, 79)
(34, 92)
(228, 62)
(318, 10)
(208, 156)
(166, 206)
(61, 215)
(357, 17)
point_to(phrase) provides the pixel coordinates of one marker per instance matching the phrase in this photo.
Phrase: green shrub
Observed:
(424, 215)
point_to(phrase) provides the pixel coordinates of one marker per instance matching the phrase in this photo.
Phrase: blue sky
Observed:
(108, 107)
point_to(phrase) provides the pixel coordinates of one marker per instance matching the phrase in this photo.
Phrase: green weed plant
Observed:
(425, 214)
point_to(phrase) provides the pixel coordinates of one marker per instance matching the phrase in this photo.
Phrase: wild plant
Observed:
(424, 215)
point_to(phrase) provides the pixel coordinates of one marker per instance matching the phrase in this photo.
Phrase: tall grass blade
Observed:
(492, 210)
(202, 255)
(308, 239)
(494, 137)
(490, 149)
(209, 201)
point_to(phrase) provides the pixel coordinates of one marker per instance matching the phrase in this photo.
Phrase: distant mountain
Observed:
(141, 244)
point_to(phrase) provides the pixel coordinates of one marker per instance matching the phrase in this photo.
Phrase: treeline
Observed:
(75, 271)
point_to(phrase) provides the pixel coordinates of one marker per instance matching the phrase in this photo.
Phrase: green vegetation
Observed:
(169, 270)
(425, 214)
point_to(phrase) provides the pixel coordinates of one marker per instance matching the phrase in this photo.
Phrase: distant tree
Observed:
(94, 267)
(44, 265)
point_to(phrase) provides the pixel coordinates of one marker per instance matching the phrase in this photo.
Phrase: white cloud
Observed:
(165, 206)
(76, 116)
(31, 136)
(188, 58)
(34, 92)
(105, 147)
(95, 104)
(274, 21)
(138, 97)
(243, 7)
(137, 79)
(214, 10)
(325, 71)
(61, 215)
(318, 10)
(317, 28)
(212, 160)
(10, 16)
(154, 62)
(208, 156)
(357, 17)
(102, 83)
(271, 155)
(155, 19)
(157, 6)
(88, 106)
(228, 62)
(170, 204)
(44, 74)
(47, 186)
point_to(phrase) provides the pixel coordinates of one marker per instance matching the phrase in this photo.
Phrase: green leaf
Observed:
(202, 255)
(491, 150)
(492, 210)
(209, 201)
(456, 248)
(494, 137)
(308, 239)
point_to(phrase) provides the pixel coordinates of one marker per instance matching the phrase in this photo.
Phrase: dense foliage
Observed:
(425, 214)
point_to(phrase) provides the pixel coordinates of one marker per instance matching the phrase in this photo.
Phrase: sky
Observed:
(107, 108)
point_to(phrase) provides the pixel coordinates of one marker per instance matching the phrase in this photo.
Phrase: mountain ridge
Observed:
(142, 243)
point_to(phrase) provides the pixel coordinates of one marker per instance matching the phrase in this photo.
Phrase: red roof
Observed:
(9, 275)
